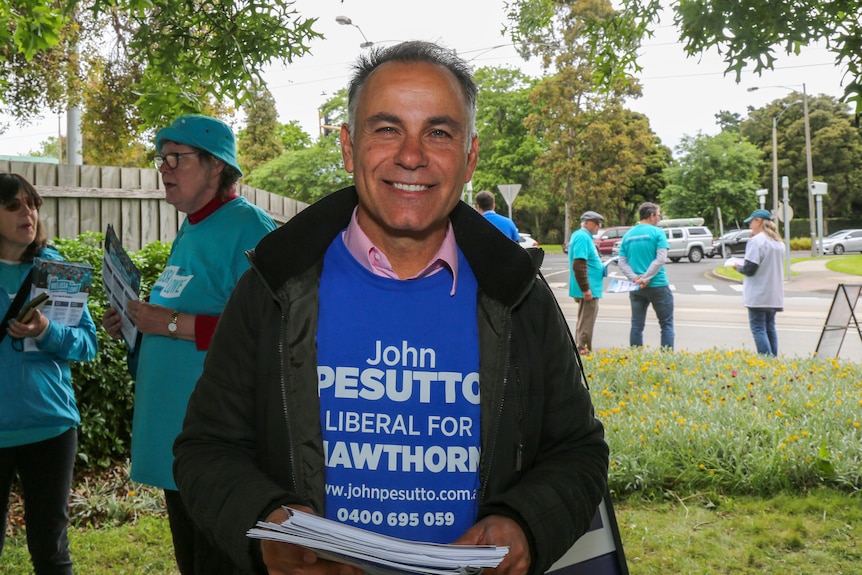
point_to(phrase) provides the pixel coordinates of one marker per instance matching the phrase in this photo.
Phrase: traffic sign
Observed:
(780, 214)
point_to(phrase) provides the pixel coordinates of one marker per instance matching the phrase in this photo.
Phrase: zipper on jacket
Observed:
(290, 454)
(493, 447)
(519, 456)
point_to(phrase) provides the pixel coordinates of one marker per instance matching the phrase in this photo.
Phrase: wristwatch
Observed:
(172, 325)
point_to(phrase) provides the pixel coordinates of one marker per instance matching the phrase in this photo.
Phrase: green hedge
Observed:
(103, 387)
(800, 244)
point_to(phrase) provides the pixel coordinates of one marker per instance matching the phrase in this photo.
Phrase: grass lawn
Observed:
(722, 461)
(844, 264)
(814, 534)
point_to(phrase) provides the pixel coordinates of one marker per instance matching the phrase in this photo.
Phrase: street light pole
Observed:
(784, 218)
(814, 249)
(345, 21)
(775, 164)
(809, 167)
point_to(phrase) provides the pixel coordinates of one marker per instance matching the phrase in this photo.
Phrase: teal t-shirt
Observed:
(206, 261)
(639, 247)
(582, 247)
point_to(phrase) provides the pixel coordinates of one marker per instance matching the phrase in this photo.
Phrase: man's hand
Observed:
(501, 531)
(287, 559)
(113, 323)
(641, 282)
(588, 295)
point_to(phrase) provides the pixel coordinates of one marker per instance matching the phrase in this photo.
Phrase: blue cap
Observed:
(204, 133)
(761, 213)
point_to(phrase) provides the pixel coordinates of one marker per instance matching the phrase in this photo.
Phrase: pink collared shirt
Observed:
(374, 260)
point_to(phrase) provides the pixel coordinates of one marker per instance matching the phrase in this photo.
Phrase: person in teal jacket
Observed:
(197, 162)
(38, 413)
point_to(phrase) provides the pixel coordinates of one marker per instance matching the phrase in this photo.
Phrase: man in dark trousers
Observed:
(643, 253)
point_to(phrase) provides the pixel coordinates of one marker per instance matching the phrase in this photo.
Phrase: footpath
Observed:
(814, 276)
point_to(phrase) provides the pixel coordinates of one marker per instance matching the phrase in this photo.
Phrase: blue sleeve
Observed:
(513, 232)
(71, 343)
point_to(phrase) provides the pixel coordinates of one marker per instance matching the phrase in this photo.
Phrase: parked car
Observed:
(843, 241)
(734, 243)
(691, 242)
(606, 238)
(527, 241)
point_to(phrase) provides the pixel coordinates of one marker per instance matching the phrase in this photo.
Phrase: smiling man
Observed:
(392, 361)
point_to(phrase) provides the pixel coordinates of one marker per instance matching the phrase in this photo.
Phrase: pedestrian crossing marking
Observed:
(703, 287)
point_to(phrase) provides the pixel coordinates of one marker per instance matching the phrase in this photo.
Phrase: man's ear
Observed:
(472, 157)
(346, 148)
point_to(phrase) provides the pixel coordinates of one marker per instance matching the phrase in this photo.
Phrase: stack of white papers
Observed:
(378, 554)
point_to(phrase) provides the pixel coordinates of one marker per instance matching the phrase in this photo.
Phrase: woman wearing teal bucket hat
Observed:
(197, 161)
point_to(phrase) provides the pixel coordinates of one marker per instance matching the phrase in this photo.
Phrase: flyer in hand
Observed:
(67, 285)
(378, 554)
(621, 286)
(122, 281)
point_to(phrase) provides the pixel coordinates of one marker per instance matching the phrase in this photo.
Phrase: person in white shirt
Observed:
(763, 285)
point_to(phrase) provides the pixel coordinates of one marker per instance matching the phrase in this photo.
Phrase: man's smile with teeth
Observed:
(410, 187)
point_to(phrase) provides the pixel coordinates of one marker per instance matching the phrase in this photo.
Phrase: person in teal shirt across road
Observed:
(643, 253)
(586, 277)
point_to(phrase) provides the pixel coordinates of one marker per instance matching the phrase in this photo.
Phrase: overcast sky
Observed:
(680, 95)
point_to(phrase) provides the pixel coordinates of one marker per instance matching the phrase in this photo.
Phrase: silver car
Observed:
(843, 241)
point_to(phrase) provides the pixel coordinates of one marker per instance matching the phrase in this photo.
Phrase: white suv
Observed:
(691, 242)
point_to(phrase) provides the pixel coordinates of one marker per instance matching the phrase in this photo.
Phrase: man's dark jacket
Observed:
(252, 435)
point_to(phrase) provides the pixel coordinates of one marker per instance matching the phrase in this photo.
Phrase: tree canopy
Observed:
(305, 171)
(177, 57)
(595, 149)
(836, 151)
(260, 141)
(745, 32)
(713, 172)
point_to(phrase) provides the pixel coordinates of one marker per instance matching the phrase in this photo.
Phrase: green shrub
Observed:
(103, 387)
(800, 244)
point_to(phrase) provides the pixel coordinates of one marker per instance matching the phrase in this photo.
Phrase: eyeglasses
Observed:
(15, 204)
(172, 159)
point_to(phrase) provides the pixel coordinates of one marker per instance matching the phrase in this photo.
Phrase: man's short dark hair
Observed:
(647, 209)
(485, 201)
(412, 51)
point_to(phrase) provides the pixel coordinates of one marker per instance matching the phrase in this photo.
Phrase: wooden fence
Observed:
(79, 199)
